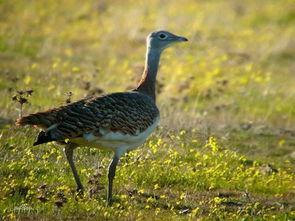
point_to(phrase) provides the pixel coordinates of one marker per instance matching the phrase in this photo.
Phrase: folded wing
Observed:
(127, 113)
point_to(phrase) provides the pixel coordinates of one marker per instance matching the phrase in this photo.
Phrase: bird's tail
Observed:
(41, 119)
(43, 137)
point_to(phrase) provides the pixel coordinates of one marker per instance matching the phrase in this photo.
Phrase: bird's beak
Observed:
(181, 39)
(176, 38)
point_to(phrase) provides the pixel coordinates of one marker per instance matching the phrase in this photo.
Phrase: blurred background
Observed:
(234, 78)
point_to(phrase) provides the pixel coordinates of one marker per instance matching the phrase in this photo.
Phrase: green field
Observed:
(225, 147)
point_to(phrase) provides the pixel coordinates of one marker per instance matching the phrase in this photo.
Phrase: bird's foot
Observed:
(80, 192)
(109, 201)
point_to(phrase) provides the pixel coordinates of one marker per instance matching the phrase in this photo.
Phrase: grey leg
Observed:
(111, 175)
(69, 150)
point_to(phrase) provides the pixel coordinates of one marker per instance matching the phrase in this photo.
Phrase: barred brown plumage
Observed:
(118, 121)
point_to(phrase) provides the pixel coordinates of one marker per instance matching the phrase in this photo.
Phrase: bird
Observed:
(118, 122)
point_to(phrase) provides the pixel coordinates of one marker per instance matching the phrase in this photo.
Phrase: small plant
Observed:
(69, 97)
(21, 97)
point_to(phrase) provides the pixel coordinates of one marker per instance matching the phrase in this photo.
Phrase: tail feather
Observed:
(42, 119)
(43, 137)
(27, 120)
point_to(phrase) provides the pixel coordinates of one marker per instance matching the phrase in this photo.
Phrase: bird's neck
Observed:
(147, 83)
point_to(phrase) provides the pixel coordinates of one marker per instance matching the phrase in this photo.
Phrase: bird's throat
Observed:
(147, 83)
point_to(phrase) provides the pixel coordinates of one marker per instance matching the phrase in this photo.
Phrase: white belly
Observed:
(114, 140)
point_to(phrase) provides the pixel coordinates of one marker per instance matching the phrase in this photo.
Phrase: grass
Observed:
(225, 146)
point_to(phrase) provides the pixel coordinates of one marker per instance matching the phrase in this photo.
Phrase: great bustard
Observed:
(119, 121)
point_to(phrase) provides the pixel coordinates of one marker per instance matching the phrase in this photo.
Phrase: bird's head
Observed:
(159, 40)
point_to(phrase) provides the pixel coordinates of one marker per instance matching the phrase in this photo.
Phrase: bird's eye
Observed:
(162, 36)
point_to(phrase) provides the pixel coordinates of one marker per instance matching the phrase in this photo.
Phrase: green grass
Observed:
(225, 146)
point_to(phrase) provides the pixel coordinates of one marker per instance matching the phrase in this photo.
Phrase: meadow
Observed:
(224, 149)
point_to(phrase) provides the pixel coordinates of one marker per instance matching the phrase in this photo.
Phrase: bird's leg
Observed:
(111, 175)
(69, 150)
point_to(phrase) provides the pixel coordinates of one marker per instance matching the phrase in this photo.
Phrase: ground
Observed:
(224, 149)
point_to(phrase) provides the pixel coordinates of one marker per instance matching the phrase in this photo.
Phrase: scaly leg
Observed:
(69, 150)
(111, 175)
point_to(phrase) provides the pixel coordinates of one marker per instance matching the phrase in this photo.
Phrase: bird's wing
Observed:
(127, 113)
